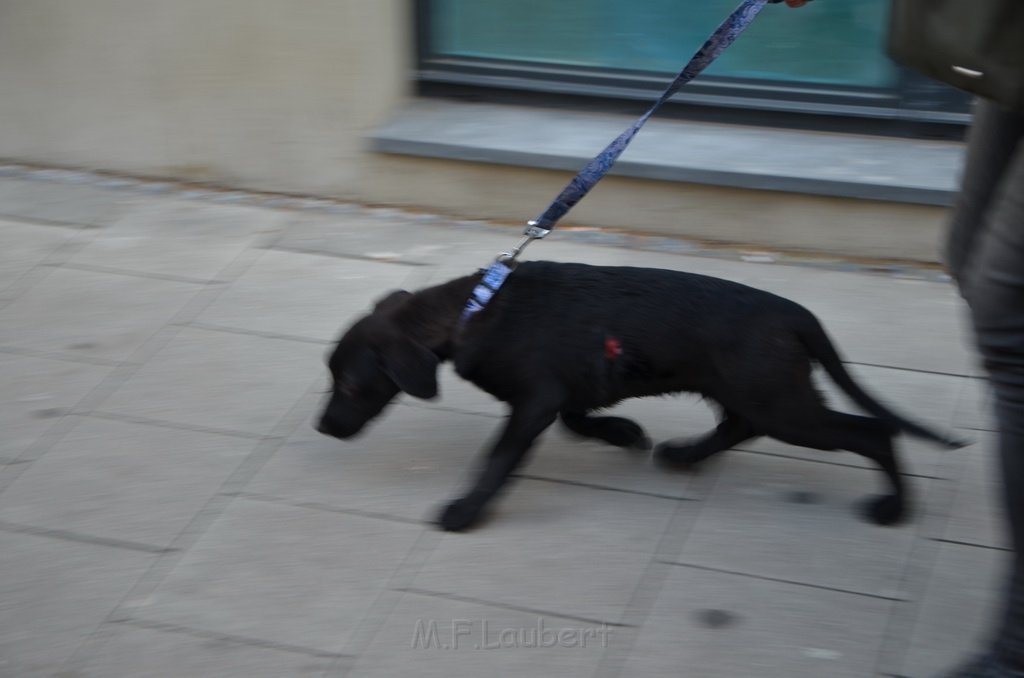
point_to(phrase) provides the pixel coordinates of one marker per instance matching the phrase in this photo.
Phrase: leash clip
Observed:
(533, 232)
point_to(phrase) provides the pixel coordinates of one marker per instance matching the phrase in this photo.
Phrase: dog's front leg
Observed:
(525, 423)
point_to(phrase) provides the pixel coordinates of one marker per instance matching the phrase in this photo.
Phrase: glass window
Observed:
(830, 53)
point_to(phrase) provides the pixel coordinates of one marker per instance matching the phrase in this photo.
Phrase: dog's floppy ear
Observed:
(411, 365)
(392, 300)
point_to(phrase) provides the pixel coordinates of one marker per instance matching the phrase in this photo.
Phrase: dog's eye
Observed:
(346, 388)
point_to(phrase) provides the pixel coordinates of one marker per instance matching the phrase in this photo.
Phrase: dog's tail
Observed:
(821, 348)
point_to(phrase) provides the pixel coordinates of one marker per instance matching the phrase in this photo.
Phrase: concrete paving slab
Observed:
(723, 625)
(150, 653)
(55, 594)
(23, 245)
(123, 481)
(36, 392)
(780, 519)
(528, 554)
(977, 515)
(220, 380)
(443, 638)
(178, 237)
(957, 610)
(282, 574)
(95, 314)
(79, 205)
(303, 295)
(408, 465)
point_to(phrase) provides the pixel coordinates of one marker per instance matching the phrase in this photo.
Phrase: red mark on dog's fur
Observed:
(612, 348)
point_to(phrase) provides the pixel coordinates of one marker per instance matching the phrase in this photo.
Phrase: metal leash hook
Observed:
(533, 232)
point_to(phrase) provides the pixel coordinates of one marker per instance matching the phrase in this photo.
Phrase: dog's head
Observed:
(373, 361)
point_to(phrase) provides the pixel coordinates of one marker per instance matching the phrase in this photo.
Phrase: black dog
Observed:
(568, 339)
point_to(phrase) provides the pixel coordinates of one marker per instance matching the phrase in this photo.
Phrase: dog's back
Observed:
(609, 332)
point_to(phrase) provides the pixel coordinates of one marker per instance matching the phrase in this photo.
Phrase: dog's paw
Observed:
(888, 509)
(617, 431)
(676, 457)
(458, 516)
(621, 432)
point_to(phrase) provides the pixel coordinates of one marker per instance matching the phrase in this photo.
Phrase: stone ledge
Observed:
(912, 171)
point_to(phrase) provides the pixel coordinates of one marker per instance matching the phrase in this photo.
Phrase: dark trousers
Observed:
(985, 254)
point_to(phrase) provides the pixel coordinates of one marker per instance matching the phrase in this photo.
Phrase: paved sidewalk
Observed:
(167, 510)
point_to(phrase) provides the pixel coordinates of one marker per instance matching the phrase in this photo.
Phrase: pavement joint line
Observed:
(780, 580)
(59, 355)
(213, 327)
(387, 600)
(163, 423)
(645, 593)
(58, 223)
(827, 462)
(355, 257)
(227, 637)
(152, 345)
(320, 506)
(604, 488)
(444, 408)
(506, 606)
(59, 255)
(67, 535)
(914, 577)
(917, 370)
(978, 429)
(36, 449)
(957, 542)
(150, 580)
(113, 270)
(208, 294)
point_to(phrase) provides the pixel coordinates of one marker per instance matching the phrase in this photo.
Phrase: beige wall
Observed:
(268, 94)
(280, 95)
(844, 226)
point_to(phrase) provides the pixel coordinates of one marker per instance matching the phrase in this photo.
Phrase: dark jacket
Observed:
(976, 45)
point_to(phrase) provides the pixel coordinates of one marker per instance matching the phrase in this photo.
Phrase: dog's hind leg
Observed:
(867, 436)
(617, 431)
(872, 438)
(731, 431)
(521, 429)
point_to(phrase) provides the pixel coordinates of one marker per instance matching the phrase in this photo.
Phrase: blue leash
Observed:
(595, 170)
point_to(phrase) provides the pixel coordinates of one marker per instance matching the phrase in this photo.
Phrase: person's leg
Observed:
(991, 145)
(991, 276)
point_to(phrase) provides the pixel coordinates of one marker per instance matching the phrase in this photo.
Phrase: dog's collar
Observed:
(491, 281)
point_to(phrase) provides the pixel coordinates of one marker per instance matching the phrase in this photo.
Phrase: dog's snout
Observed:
(335, 427)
